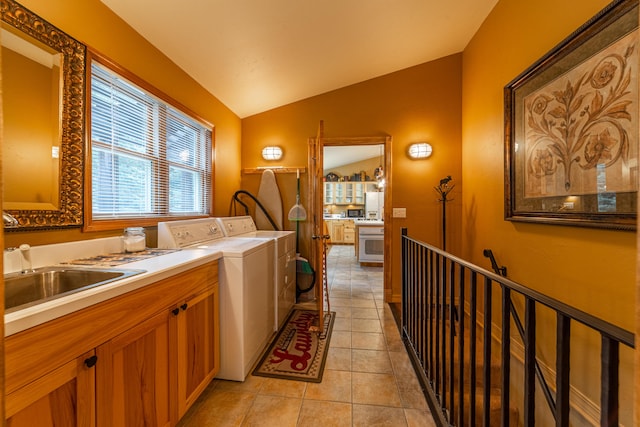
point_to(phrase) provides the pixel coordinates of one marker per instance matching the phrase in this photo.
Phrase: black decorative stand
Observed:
(443, 190)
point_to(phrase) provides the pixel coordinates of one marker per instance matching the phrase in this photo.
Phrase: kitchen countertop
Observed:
(329, 218)
(369, 222)
(154, 269)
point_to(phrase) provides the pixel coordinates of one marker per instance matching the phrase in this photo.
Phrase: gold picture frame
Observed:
(571, 128)
(68, 212)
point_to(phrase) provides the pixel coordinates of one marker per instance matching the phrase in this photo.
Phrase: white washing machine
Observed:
(285, 260)
(246, 273)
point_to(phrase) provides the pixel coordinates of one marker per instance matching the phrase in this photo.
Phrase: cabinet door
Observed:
(63, 397)
(348, 193)
(338, 232)
(133, 376)
(328, 193)
(358, 193)
(198, 345)
(339, 195)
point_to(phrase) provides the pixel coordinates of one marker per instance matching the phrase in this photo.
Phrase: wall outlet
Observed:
(399, 212)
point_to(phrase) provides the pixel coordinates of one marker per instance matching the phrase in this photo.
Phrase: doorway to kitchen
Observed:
(356, 188)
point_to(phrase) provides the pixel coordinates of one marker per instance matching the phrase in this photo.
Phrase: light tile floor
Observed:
(368, 378)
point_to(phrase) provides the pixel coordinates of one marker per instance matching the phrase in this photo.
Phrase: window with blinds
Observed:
(148, 159)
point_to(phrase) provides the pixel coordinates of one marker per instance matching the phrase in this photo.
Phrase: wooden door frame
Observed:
(386, 141)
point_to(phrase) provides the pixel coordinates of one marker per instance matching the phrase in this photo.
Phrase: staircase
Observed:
(471, 370)
(462, 353)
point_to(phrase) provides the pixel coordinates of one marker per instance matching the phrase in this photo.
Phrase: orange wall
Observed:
(92, 23)
(420, 103)
(591, 269)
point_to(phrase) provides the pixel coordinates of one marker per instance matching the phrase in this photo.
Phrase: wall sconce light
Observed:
(420, 150)
(272, 152)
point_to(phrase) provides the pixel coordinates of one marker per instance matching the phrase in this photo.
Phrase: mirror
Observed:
(43, 111)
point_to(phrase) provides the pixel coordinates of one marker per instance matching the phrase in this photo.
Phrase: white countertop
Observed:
(369, 222)
(155, 269)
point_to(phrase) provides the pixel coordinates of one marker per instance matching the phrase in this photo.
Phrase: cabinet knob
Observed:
(90, 362)
(184, 306)
(175, 311)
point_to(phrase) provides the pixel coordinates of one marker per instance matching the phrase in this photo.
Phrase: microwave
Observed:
(355, 213)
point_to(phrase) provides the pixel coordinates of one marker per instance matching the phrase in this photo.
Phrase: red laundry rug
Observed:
(296, 353)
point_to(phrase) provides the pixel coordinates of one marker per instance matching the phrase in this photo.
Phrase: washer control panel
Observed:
(236, 225)
(188, 233)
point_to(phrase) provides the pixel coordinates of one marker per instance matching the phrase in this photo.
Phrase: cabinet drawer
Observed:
(349, 236)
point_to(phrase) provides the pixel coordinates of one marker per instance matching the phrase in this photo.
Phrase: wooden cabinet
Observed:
(341, 231)
(197, 341)
(359, 188)
(349, 231)
(133, 376)
(329, 193)
(63, 397)
(337, 231)
(155, 348)
(347, 192)
(337, 193)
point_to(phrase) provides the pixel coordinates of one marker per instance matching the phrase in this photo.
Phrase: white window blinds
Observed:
(148, 159)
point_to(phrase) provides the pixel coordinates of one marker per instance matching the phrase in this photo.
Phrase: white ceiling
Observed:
(255, 55)
(336, 156)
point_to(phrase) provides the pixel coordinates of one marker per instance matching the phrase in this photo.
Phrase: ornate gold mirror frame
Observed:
(69, 212)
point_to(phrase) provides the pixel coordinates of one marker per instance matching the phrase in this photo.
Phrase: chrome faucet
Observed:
(9, 220)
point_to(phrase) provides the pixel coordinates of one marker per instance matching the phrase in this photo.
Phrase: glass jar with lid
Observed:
(134, 239)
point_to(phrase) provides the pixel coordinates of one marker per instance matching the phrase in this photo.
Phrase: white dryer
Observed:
(246, 273)
(285, 260)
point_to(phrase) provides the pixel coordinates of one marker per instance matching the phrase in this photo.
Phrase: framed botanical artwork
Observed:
(571, 128)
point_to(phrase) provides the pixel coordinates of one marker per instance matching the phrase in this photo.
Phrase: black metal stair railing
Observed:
(546, 389)
(445, 300)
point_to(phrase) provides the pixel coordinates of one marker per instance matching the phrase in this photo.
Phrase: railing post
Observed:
(403, 304)
(436, 345)
(452, 332)
(609, 383)
(461, 356)
(563, 350)
(529, 362)
(506, 355)
(486, 362)
(473, 326)
(416, 301)
(443, 327)
(430, 318)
